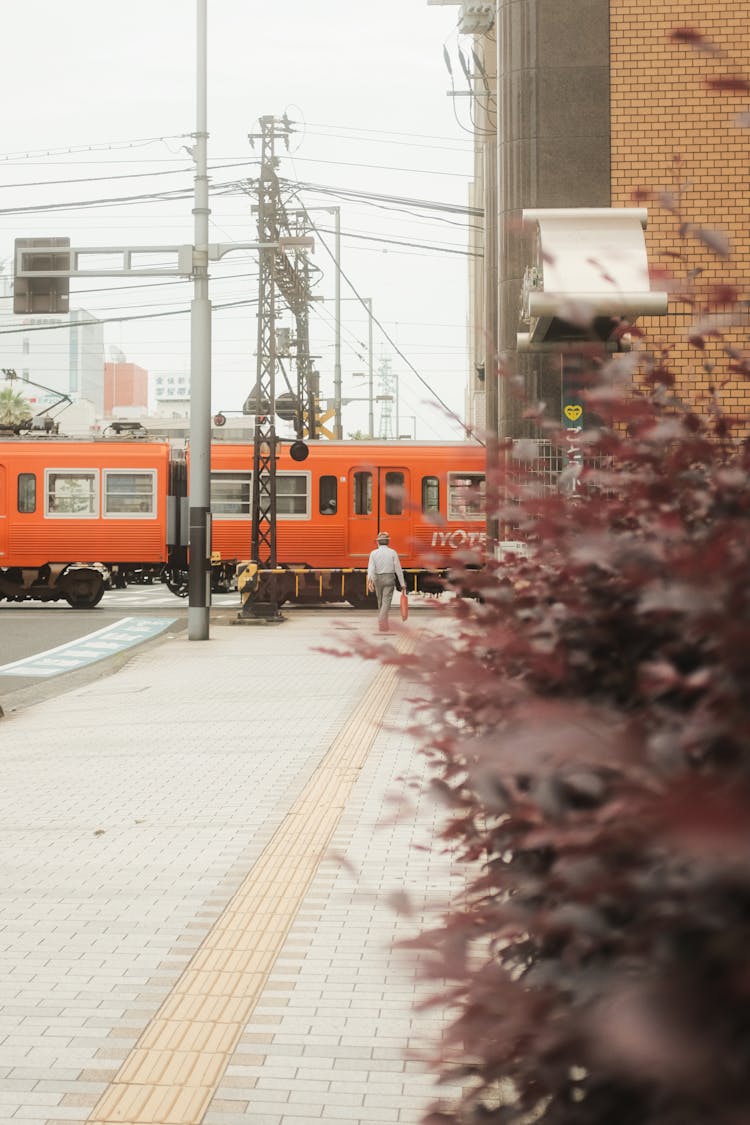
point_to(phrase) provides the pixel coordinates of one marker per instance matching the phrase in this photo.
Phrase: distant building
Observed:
(172, 394)
(125, 389)
(63, 354)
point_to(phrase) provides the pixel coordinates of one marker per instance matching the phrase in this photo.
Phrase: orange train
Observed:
(76, 515)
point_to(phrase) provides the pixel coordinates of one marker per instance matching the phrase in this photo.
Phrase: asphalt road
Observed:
(31, 628)
(78, 646)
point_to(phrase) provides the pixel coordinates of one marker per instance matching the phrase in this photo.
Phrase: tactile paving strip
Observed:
(175, 1067)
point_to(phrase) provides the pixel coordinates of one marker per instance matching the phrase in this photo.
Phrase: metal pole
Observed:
(199, 570)
(370, 396)
(491, 349)
(337, 360)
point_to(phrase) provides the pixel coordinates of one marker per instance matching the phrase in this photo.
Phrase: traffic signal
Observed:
(41, 275)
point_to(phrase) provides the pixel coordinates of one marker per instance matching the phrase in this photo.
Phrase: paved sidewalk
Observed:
(178, 942)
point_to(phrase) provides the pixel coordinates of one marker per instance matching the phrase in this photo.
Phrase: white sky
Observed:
(367, 84)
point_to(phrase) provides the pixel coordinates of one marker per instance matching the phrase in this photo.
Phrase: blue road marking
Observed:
(86, 650)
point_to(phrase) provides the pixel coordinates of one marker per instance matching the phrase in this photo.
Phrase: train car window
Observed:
(363, 494)
(394, 493)
(27, 492)
(430, 494)
(71, 492)
(328, 498)
(129, 492)
(465, 496)
(291, 494)
(231, 494)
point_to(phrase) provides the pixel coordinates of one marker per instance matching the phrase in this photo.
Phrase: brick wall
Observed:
(672, 134)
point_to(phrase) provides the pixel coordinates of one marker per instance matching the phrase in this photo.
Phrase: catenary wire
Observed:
(467, 430)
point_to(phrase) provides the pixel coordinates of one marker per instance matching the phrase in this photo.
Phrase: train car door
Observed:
(3, 518)
(379, 502)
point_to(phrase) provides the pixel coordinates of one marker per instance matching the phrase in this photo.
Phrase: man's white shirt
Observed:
(384, 560)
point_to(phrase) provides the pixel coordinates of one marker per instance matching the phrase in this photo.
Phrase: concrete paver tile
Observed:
(258, 1118)
(336, 1010)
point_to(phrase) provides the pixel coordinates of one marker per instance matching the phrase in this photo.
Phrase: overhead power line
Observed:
(120, 319)
(391, 341)
(104, 146)
(351, 193)
(401, 242)
(124, 176)
(354, 129)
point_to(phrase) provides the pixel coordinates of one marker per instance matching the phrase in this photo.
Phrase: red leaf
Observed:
(685, 35)
(729, 84)
(723, 295)
(695, 39)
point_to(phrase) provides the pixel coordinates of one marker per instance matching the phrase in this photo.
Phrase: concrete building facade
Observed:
(612, 103)
(62, 353)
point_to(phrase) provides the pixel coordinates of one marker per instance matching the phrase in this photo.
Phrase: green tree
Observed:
(13, 407)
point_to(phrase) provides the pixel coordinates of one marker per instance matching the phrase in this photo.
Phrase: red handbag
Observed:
(404, 606)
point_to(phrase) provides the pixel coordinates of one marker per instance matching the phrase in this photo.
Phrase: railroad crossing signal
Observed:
(320, 420)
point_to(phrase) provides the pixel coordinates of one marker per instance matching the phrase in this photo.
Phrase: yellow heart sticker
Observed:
(573, 413)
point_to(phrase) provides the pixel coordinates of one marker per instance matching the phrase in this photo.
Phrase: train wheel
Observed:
(177, 582)
(83, 589)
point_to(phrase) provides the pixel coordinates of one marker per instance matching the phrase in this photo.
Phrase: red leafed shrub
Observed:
(587, 723)
(587, 719)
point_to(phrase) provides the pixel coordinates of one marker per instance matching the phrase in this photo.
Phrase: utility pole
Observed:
(292, 281)
(263, 534)
(199, 572)
(367, 301)
(296, 286)
(388, 395)
(338, 425)
(491, 347)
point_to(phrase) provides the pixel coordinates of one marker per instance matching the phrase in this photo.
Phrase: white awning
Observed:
(589, 272)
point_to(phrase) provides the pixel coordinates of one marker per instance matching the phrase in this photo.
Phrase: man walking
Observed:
(383, 568)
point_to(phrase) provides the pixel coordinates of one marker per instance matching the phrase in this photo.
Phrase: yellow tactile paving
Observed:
(172, 1072)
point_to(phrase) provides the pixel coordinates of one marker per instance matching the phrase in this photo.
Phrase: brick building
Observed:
(675, 133)
(125, 390)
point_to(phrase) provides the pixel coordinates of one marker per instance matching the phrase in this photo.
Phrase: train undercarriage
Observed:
(81, 585)
(302, 584)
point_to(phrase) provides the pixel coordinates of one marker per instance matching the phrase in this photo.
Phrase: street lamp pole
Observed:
(199, 569)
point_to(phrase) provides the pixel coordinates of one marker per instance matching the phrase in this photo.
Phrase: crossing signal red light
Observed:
(298, 451)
